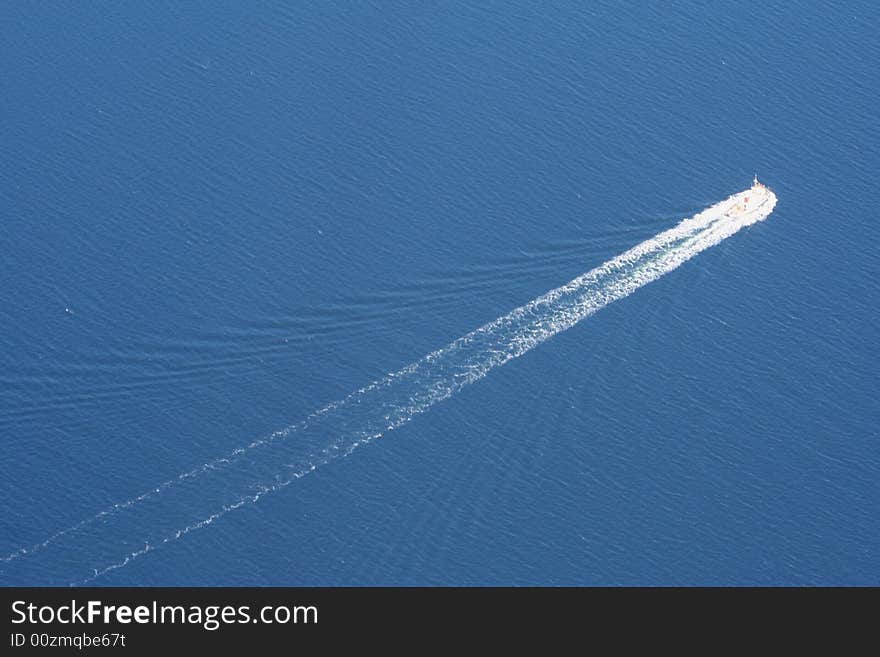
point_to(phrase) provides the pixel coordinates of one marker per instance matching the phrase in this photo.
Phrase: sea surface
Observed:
(217, 218)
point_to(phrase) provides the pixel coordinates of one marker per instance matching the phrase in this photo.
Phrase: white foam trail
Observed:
(273, 462)
(214, 464)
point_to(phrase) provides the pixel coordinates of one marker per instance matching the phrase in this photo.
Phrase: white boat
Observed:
(753, 204)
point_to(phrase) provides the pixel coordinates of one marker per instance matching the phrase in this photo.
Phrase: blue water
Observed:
(218, 218)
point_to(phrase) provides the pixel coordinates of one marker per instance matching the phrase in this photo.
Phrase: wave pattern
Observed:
(199, 497)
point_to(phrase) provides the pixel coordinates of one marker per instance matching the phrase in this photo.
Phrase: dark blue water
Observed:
(218, 218)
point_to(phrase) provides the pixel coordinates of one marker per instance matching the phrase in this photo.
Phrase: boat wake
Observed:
(201, 496)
